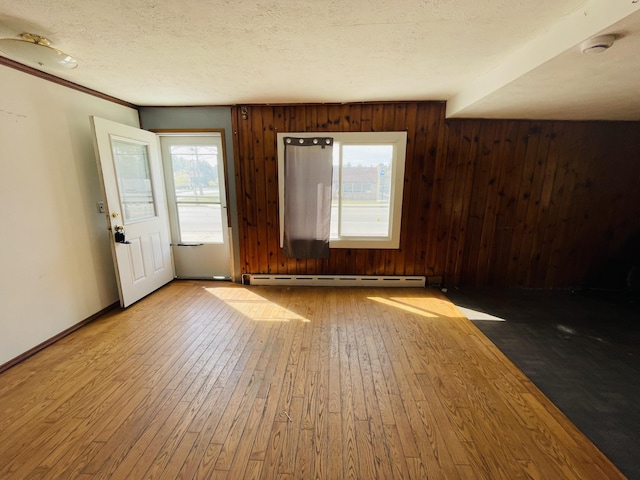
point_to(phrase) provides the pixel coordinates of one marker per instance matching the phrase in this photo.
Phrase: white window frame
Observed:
(399, 142)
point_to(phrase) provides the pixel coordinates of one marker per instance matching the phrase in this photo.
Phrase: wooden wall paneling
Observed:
(248, 180)
(552, 184)
(435, 156)
(530, 142)
(586, 222)
(355, 118)
(366, 117)
(563, 184)
(465, 133)
(446, 191)
(383, 258)
(279, 125)
(252, 198)
(571, 151)
(453, 139)
(539, 161)
(260, 204)
(492, 200)
(450, 153)
(345, 118)
(315, 119)
(467, 193)
(621, 193)
(554, 203)
(409, 117)
(607, 191)
(336, 117)
(240, 197)
(269, 144)
(591, 196)
(256, 179)
(486, 202)
(535, 274)
(510, 175)
(395, 259)
(619, 223)
(507, 147)
(415, 184)
(584, 231)
(477, 203)
(246, 221)
(428, 194)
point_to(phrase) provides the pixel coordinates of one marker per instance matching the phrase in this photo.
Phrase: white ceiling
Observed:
(491, 58)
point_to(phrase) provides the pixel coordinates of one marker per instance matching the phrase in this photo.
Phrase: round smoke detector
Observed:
(597, 44)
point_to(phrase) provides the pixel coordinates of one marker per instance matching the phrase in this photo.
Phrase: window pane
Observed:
(365, 190)
(134, 181)
(200, 223)
(195, 177)
(195, 173)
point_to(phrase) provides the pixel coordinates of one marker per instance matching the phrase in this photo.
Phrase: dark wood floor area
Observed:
(206, 380)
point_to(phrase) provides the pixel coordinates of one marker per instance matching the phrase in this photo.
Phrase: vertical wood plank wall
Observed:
(541, 204)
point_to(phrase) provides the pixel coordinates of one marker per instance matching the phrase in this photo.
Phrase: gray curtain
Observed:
(308, 164)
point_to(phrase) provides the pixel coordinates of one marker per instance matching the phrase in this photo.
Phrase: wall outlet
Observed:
(100, 207)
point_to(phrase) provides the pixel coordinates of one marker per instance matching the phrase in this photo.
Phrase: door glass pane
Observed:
(134, 181)
(365, 190)
(197, 188)
(200, 223)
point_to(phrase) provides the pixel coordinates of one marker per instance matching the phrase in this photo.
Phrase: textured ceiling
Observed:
(495, 58)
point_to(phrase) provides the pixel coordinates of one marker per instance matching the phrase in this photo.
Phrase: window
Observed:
(368, 177)
(134, 181)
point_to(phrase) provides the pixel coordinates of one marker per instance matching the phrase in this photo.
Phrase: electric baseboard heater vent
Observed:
(336, 280)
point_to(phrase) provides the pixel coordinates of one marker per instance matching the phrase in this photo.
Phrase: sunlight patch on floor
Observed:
(398, 303)
(254, 306)
(477, 315)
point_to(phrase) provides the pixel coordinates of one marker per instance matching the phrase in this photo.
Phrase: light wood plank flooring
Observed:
(206, 380)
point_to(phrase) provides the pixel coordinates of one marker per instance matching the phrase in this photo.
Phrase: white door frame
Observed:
(199, 260)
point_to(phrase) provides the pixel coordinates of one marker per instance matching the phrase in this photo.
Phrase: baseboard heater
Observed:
(335, 280)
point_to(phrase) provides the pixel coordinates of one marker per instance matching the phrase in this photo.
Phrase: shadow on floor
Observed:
(581, 349)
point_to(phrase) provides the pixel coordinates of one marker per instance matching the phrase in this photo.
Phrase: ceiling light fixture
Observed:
(36, 50)
(598, 44)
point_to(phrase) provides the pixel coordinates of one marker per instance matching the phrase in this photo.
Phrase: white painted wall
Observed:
(55, 259)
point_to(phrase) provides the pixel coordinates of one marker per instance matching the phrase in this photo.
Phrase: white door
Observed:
(195, 180)
(133, 187)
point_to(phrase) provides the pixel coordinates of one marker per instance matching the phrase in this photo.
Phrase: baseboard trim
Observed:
(55, 338)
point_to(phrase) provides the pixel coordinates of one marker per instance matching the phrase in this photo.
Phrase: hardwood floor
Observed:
(206, 380)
